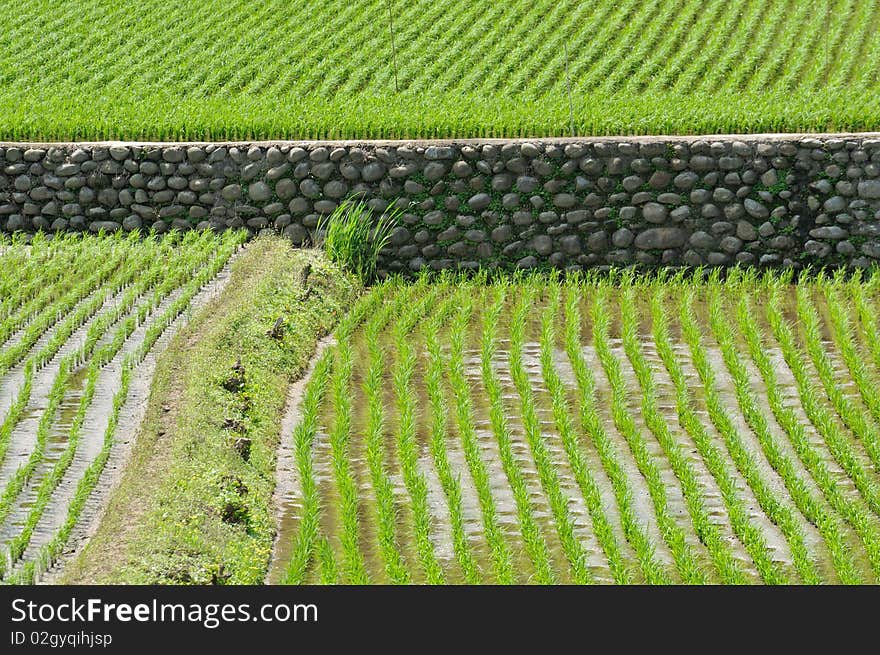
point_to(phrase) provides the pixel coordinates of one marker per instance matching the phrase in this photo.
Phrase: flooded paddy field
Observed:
(601, 429)
(80, 321)
(623, 430)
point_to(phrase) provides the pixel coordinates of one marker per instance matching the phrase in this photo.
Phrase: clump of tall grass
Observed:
(352, 238)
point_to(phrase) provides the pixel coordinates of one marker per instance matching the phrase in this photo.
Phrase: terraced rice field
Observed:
(80, 317)
(225, 69)
(593, 430)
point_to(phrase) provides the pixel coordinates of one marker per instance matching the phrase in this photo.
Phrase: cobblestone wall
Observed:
(763, 200)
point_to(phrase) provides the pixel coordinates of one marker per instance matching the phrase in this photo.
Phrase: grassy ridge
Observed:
(225, 69)
(193, 505)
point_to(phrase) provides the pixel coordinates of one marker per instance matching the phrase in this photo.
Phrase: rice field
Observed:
(606, 428)
(80, 319)
(225, 69)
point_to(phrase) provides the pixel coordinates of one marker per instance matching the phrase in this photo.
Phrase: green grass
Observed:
(224, 69)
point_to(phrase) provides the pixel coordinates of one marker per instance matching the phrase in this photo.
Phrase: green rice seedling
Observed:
(307, 540)
(810, 506)
(499, 550)
(328, 567)
(41, 280)
(729, 569)
(776, 510)
(546, 467)
(567, 432)
(407, 447)
(176, 274)
(439, 430)
(592, 425)
(839, 311)
(685, 558)
(353, 239)
(354, 566)
(647, 67)
(92, 290)
(852, 512)
(838, 443)
(305, 548)
(866, 312)
(746, 531)
(24, 472)
(49, 553)
(533, 539)
(395, 566)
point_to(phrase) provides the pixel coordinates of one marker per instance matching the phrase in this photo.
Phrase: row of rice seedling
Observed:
(745, 529)
(685, 558)
(408, 449)
(49, 551)
(741, 477)
(745, 460)
(848, 508)
(798, 487)
(547, 468)
(845, 338)
(860, 424)
(395, 566)
(439, 433)
(719, 551)
(534, 541)
(591, 424)
(84, 329)
(310, 543)
(223, 69)
(499, 550)
(565, 425)
(177, 273)
(820, 416)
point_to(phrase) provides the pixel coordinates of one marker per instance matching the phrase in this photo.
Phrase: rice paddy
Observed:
(597, 429)
(224, 69)
(79, 317)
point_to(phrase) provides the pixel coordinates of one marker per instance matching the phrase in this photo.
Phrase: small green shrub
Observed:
(353, 239)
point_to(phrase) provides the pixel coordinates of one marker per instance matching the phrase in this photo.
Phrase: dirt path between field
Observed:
(131, 417)
(287, 498)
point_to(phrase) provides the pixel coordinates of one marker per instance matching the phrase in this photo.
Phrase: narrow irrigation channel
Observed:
(598, 429)
(68, 366)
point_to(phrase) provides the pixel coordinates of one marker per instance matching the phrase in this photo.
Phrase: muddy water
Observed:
(287, 498)
(56, 443)
(596, 560)
(23, 438)
(773, 536)
(438, 507)
(726, 387)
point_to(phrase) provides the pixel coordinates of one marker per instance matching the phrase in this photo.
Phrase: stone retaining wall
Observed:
(767, 200)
